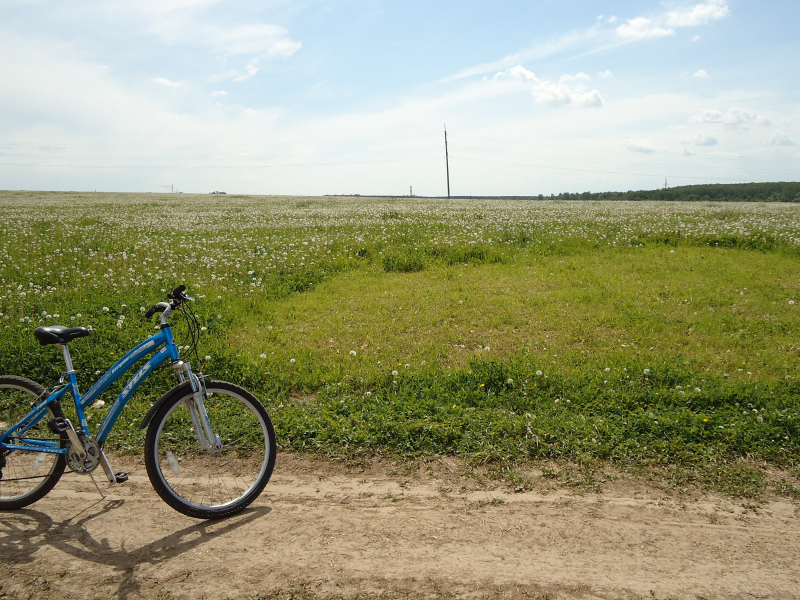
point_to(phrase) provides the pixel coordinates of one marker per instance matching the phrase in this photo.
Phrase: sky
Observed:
(317, 97)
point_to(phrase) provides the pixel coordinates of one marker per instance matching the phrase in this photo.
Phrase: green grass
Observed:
(652, 336)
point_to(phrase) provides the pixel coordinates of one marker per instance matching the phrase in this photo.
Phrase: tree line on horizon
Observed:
(714, 192)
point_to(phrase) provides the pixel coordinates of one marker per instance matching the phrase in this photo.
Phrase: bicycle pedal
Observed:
(57, 425)
(120, 477)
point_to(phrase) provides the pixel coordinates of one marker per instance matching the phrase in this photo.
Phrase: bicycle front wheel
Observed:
(217, 482)
(25, 477)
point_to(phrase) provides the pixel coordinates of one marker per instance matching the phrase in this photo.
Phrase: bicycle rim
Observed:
(27, 476)
(213, 482)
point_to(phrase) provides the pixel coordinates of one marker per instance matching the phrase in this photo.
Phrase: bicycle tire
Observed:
(211, 484)
(22, 484)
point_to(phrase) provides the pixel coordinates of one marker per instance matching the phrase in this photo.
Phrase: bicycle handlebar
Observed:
(177, 297)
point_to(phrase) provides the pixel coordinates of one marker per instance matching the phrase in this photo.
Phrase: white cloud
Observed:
(696, 38)
(252, 69)
(219, 93)
(699, 14)
(702, 139)
(645, 146)
(612, 19)
(780, 139)
(262, 39)
(642, 28)
(519, 72)
(734, 117)
(700, 74)
(537, 52)
(607, 74)
(570, 89)
(688, 152)
(166, 82)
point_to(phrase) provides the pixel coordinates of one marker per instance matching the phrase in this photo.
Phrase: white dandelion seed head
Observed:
(510, 381)
(539, 373)
(105, 309)
(204, 329)
(395, 373)
(352, 352)
(208, 357)
(291, 360)
(607, 369)
(407, 365)
(263, 356)
(647, 371)
(98, 404)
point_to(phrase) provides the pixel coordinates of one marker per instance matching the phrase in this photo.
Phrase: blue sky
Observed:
(351, 96)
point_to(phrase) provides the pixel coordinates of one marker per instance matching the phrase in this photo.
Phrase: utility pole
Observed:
(411, 190)
(170, 186)
(446, 160)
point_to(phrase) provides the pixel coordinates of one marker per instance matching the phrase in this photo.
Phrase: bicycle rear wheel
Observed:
(26, 476)
(209, 484)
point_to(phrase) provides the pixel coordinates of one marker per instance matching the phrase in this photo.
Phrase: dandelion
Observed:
(208, 357)
(647, 371)
(510, 381)
(142, 309)
(98, 404)
(368, 394)
(705, 420)
(407, 365)
(607, 369)
(105, 309)
(263, 356)
(395, 373)
(204, 329)
(698, 390)
(352, 352)
(487, 348)
(291, 360)
(539, 373)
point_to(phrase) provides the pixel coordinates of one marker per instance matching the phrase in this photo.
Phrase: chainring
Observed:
(88, 463)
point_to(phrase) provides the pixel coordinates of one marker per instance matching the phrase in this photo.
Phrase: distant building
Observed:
(215, 192)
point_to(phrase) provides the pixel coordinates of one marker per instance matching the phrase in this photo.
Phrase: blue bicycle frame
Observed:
(161, 344)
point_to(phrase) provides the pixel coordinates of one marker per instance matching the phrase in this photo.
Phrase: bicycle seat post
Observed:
(67, 359)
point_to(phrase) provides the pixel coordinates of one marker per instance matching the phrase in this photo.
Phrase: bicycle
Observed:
(210, 445)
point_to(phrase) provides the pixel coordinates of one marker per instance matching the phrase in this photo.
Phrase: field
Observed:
(654, 337)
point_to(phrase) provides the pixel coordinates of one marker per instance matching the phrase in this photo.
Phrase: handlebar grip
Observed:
(153, 310)
(176, 293)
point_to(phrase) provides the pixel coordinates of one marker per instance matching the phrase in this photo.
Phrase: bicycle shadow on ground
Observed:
(24, 532)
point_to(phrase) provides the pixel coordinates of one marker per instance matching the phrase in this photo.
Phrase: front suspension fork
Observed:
(206, 437)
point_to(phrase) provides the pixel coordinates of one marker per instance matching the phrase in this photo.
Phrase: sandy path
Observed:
(321, 531)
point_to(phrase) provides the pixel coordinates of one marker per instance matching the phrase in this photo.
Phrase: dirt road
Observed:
(321, 530)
